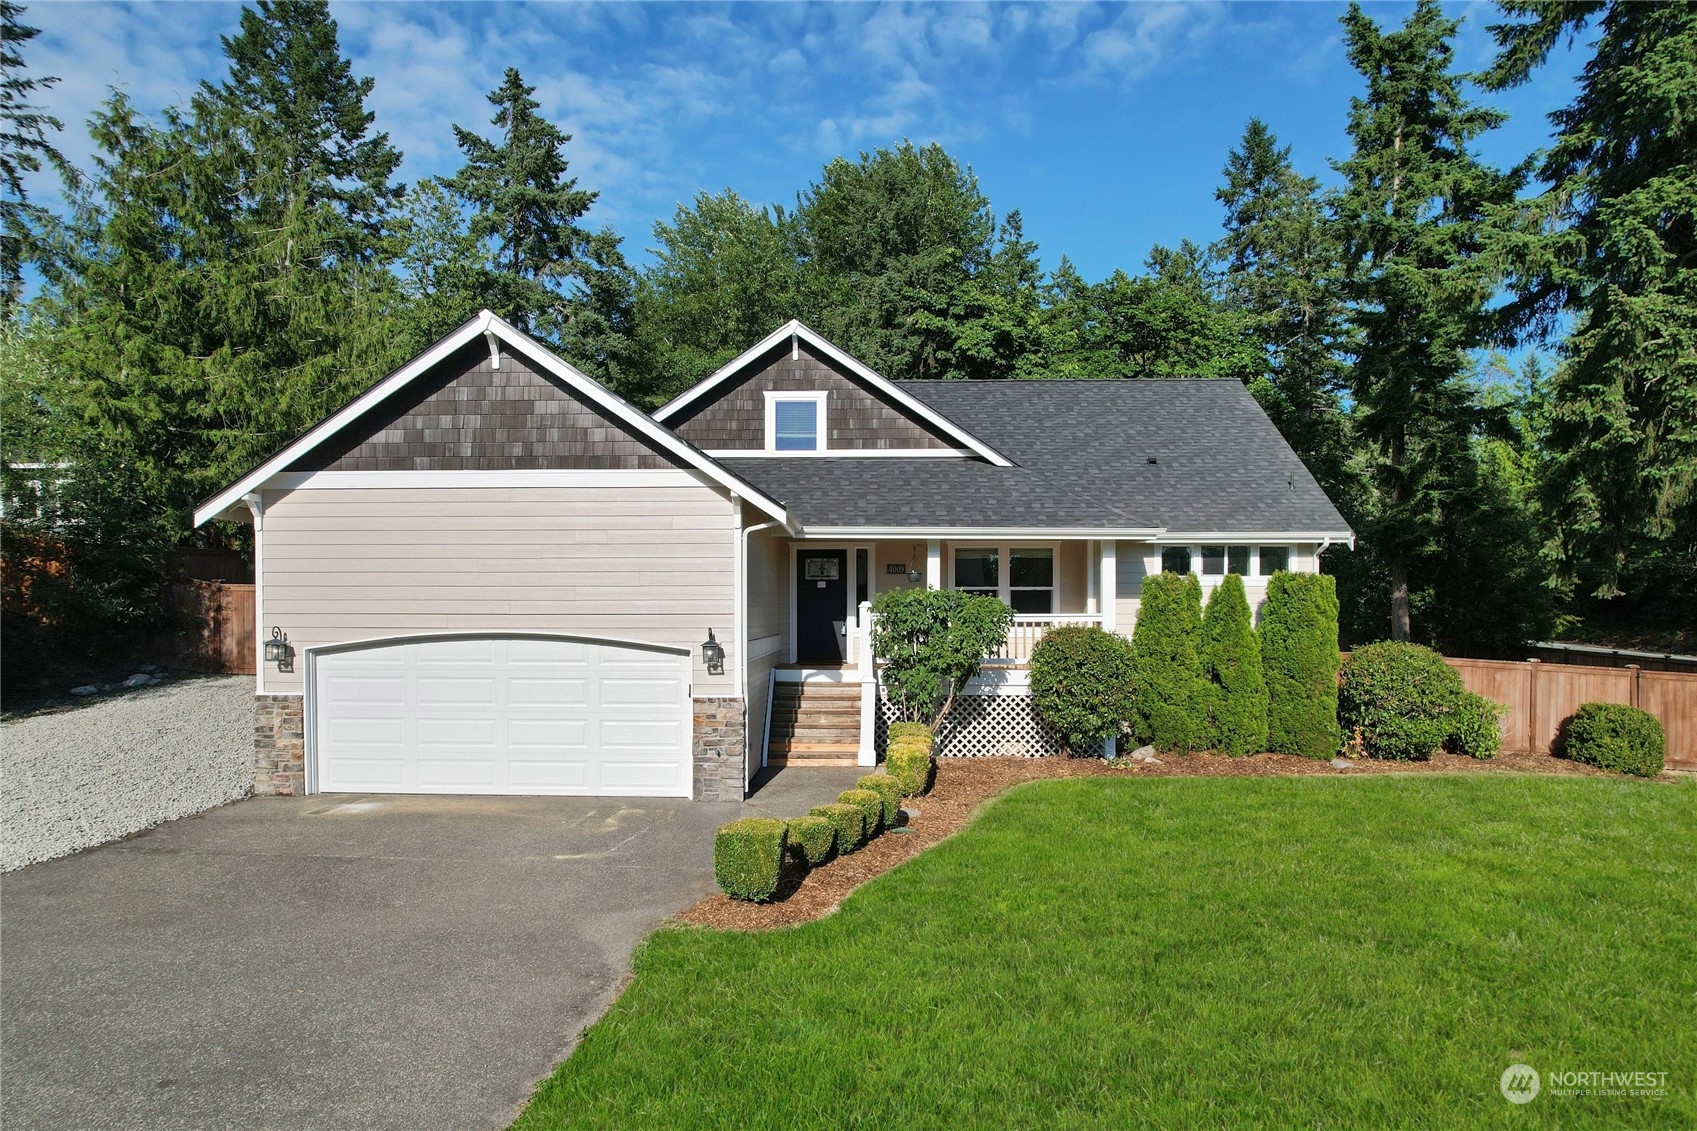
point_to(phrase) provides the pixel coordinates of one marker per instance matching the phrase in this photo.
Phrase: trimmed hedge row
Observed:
(749, 854)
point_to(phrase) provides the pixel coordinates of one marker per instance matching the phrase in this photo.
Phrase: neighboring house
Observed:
(496, 576)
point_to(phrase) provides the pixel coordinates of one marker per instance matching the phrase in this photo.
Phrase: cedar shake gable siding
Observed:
(735, 418)
(469, 416)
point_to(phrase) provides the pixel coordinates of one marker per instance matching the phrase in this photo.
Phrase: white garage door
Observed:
(502, 715)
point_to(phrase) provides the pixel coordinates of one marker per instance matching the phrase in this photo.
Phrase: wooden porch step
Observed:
(845, 716)
(800, 762)
(816, 745)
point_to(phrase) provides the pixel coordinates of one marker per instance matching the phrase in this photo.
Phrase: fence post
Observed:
(1532, 708)
(1633, 695)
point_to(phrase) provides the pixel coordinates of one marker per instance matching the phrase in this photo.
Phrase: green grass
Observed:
(1279, 953)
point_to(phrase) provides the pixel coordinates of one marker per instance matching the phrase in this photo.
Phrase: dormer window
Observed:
(795, 422)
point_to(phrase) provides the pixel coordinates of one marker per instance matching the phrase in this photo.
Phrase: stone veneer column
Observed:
(279, 746)
(718, 749)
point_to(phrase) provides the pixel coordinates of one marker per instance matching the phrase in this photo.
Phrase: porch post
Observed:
(1108, 587)
(868, 753)
(1091, 549)
(934, 564)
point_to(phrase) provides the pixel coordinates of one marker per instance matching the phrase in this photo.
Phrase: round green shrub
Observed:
(747, 857)
(1170, 694)
(1476, 730)
(848, 820)
(910, 765)
(1615, 737)
(887, 788)
(871, 804)
(1231, 659)
(1081, 682)
(899, 731)
(1401, 699)
(1299, 660)
(813, 840)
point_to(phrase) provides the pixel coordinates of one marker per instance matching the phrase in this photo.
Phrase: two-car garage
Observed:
(507, 714)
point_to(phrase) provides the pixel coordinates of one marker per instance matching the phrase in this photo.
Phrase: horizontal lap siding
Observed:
(653, 564)
(768, 582)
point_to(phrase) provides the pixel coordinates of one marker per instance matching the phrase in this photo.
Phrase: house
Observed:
(490, 574)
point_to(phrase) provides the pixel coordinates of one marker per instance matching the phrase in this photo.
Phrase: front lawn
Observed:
(1194, 952)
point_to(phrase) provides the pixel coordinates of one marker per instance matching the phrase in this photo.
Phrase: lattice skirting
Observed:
(983, 726)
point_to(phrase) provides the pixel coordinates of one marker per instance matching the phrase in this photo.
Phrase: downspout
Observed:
(256, 504)
(742, 642)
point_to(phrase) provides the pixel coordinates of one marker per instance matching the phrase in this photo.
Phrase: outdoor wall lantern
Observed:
(713, 655)
(279, 651)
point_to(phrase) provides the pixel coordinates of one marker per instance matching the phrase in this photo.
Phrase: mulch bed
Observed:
(963, 784)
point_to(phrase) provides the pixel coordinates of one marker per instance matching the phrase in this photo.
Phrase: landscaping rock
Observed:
(140, 679)
(1343, 764)
(1144, 754)
(85, 689)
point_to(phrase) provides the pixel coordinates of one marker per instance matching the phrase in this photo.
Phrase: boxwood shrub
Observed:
(910, 765)
(813, 840)
(1081, 682)
(1403, 702)
(899, 731)
(889, 790)
(848, 820)
(1615, 737)
(1299, 659)
(871, 804)
(747, 857)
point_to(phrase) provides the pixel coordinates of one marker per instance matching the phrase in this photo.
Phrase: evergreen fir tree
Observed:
(1231, 660)
(1614, 248)
(24, 145)
(1416, 214)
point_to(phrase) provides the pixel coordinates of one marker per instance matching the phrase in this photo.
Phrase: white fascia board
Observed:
(1182, 538)
(1002, 532)
(561, 477)
(487, 323)
(882, 384)
(844, 453)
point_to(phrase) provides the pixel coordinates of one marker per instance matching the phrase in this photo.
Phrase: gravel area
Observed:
(79, 777)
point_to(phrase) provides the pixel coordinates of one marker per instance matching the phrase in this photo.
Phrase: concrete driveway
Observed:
(337, 961)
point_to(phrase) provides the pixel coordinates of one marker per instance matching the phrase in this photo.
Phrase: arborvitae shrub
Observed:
(1171, 695)
(1231, 659)
(1299, 660)
(1615, 737)
(747, 856)
(1081, 682)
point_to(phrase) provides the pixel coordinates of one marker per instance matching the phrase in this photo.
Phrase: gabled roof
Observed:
(889, 390)
(1220, 465)
(488, 325)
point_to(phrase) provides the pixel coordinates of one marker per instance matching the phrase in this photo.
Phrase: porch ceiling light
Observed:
(713, 654)
(279, 651)
(913, 574)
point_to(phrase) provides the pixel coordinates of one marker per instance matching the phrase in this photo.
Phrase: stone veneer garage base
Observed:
(279, 742)
(279, 746)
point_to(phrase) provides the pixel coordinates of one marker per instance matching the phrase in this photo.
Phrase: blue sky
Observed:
(1106, 125)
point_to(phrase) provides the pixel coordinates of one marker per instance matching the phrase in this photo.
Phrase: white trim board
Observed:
(564, 477)
(487, 323)
(1015, 534)
(1275, 537)
(844, 453)
(884, 387)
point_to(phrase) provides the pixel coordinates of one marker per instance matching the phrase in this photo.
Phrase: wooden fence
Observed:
(1540, 696)
(214, 622)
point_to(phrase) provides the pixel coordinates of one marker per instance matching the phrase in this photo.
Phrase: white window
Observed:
(1027, 584)
(1213, 563)
(1274, 559)
(795, 422)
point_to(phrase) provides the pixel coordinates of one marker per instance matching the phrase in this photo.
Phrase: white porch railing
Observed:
(1028, 629)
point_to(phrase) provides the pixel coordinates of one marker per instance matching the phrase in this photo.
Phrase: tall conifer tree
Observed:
(24, 145)
(1416, 214)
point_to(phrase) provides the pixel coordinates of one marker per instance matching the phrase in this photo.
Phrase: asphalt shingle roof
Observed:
(1082, 450)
